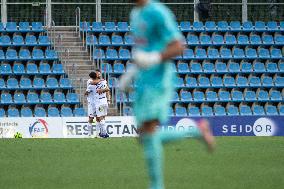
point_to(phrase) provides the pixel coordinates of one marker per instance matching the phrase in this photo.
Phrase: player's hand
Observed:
(108, 102)
(86, 93)
(146, 59)
(125, 79)
(100, 91)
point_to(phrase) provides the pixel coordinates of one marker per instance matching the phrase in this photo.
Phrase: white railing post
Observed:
(244, 11)
(195, 12)
(4, 11)
(78, 20)
(98, 10)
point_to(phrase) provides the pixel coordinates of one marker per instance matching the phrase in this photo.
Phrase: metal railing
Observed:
(78, 20)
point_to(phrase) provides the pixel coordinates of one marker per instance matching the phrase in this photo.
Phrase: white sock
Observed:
(103, 126)
(98, 128)
(90, 127)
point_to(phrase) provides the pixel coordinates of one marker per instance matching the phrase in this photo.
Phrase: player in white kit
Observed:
(98, 100)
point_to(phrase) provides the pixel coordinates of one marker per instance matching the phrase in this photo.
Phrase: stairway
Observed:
(76, 60)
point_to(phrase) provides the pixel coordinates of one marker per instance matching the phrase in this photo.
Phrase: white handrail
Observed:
(78, 20)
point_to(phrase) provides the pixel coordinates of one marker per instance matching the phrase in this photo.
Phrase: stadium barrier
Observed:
(76, 127)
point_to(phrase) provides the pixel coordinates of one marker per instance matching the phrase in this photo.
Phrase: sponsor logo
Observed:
(264, 127)
(39, 129)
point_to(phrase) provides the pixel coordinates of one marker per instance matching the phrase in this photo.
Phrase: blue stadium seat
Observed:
(272, 26)
(2, 55)
(262, 95)
(26, 112)
(99, 54)
(37, 27)
(79, 112)
(85, 26)
(59, 97)
(51, 83)
(44, 68)
(2, 28)
(200, 53)
(53, 112)
(223, 26)
(126, 111)
(37, 54)
(122, 27)
(208, 67)
(183, 67)
(267, 81)
(254, 81)
(65, 83)
(31, 40)
(72, 98)
(193, 111)
(19, 98)
(18, 40)
(241, 81)
(279, 39)
(279, 81)
(97, 27)
(192, 39)
(258, 110)
(32, 68)
(6, 98)
(229, 81)
(255, 39)
(198, 26)
(191, 82)
(188, 54)
(38, 83)
(18, 69)
(248, 26)
(12, 83)
(210, 26)
(281, 66)
(131, 97)
(250, 53)
(232, 110)
(6, 69)
(179, 82)
(39, 112)
(276, 53)
(205, 40)
(58, 69)
(51, 55)
(124, 54)
(66, 112)
(246, 67)
(211, 96)
(267, 40)
(13, 112)
(24, 54)
(235, 26)
(120, 97)
(118, 68)
(263, 53)
(259, 67)
(237, 95)
(198, 96)
(45, 97)
(5, 40)
(216, 81)
(249, 95)
(110, 27)
(224, 95)
(185, 96)
(129, 40)
(230, 40)
(203, 81)
(91, 40)
(225, 53)
(206, 111)
(116, 40)
(233, 67)
(243, 40)
(245, 110)
(43, 40)
(11, 27)
(219, 110)
(221, 67)
(111, 54)
(32, 98)
(2, 84)
(280, 108)
(24, 26)
(106, 68)
(217, 39)
(25, 83)
(175, 97)
(260, 26)
(271, 110)
(104, 40)
(275, 95)
(11, 54)
(181, 111)
(185, 26)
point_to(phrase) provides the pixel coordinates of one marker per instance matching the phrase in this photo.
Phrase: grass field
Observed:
(239, 163)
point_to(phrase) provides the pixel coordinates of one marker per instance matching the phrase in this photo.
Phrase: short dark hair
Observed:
(98, 70)
(93, 75)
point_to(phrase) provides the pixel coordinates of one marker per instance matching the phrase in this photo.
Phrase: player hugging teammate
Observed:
(98, 98)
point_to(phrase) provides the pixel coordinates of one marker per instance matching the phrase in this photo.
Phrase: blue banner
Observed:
(234, 125)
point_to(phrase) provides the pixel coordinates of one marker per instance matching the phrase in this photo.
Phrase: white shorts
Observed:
(97, 111)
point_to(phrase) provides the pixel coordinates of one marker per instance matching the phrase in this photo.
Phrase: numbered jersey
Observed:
(94, 97)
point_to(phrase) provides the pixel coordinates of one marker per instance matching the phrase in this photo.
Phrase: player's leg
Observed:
(91, 119)
(98, 127)
(101, 113)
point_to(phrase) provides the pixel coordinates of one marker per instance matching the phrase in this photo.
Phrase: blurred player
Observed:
(91, 102)
(157, 41)
(98, 91)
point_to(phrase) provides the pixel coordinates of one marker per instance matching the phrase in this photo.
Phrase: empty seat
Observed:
(18, 40)
(5, 40)
(235, 26)
(6, 69)
(104, 40)
(271, 67)
(39, 112)
(124, 54)
(26, 112)
(238, 53)
(53, 112)
(262, 95)
(111, 54)
(97, 27)
(38, 83)
(32, 98)
(259, 67)
(24, 26)
(219, 110)
(179, 82)
(188, 54)
(110, 26)
(213, 53)
(225, 53)
(99, 54)
(37, 54)
(198, 26)
(279, 81)
(258, 110)
(246, 67)
(217, 39)
(237, 95)
(224, 95)
(200, 53)
(210, 26)
(181, 111)
(229, 81)
(205, 40)
(185, 96)
(203, 81)
(251, 53)
(195, 67)
(272, 26)
(221, 67)
(232, 110)
(248, 26)
(72, 98)
(37, 27)
(128, 40)
(79, 112)
(243, 40)
(267, 81)
(91, 40)
(192, 40)
(11, 27)
(270, 110)
(223, 26)
(116, 40)
(216, 81)
(6, 98)
(211, 96)
(263, 53)
(255, 39)
(183, 67)
(44, 68)
(198, 96)
(230, 40)
(66, 112)
(24, 54)
(191, 82)
(2, 84)
(122, 27)
(58, 69)
(276, 53)
(241, 81)
(260, 26)
(279, 39)
(31, 40)
(11, 54)
(249, 95)
(51, 55)
(193, 111)
(65, 83)
(18, 69)
(206, 111)
(19, 98)
(233, 67)
(25, 83)
(185, 26)
(267, 40)
(12, 83)
(275, 95)
(59, 97)
(45, 97)
(43, 40)
(13, 112)
(245, 110)
(208, 67)
(118, 68)
(254, 81)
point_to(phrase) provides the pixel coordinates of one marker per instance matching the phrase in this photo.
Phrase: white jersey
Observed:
(94, 97)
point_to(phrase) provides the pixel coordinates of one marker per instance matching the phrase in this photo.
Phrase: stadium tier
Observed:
(33, 81)
(226, 69)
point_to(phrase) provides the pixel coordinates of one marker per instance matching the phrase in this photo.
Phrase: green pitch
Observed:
(239, 163)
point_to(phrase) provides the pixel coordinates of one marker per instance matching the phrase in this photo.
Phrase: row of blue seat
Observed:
(199, 54)
(219, 110)
(21, 27)
(206, 67)
(193, 40)
(37, 83)
(25, 54)
(31, 69)
(186, 26)
(227, 81)
(34, 98)
(30, 40)
(26, 111)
